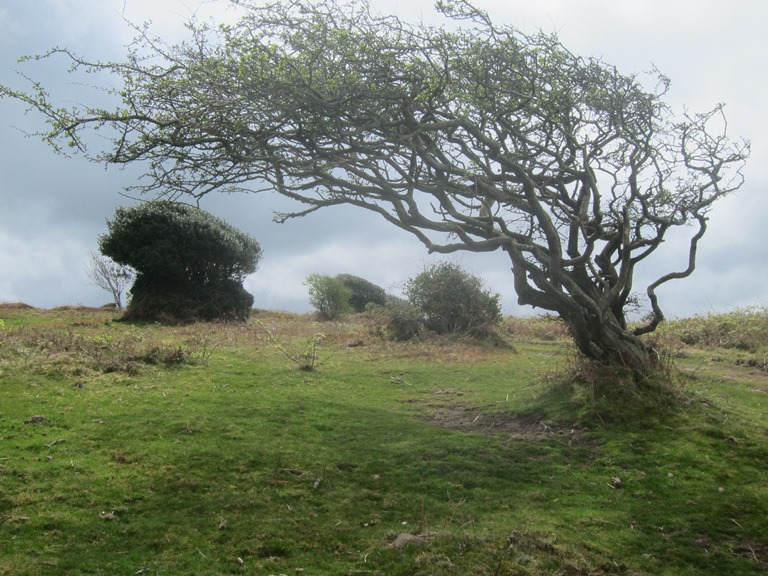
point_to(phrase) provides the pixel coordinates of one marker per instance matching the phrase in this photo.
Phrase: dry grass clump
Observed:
(80, 308)
(614, 392)
(537, 328)
(75, 351)
(15, 306)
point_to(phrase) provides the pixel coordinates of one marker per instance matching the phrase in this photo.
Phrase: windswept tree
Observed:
(189, 264)
(471, 136)
(109, 275)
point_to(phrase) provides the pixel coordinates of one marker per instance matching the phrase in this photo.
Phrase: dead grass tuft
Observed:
(75, 349)
(79, 308)
(535, 328)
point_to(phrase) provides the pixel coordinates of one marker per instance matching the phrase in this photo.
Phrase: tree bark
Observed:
(605, 341)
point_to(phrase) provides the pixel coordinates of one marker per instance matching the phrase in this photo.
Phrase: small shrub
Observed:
(397, 320)
(453, 301)
(328, 295)
(363, 292)
(307, 359)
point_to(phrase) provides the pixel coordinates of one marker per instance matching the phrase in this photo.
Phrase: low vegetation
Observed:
(745, 329)
(202, 449)
(442, 299)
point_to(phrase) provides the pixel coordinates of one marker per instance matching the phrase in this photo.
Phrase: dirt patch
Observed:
(756, 552)
(405, 539)
(741, 373)
(468, 418)
(753, 551)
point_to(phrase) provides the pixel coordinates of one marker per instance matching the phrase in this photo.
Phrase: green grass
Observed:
(203, 450)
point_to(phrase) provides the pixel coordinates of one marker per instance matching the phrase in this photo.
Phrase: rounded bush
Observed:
(328, 295)
(363, 292)
(401, 319)
(189, 264)
(453, 301)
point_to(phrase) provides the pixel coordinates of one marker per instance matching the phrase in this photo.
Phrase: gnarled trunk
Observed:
(610, 343)
(595, 318)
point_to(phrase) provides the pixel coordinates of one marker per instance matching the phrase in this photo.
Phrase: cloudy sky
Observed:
(52, 208)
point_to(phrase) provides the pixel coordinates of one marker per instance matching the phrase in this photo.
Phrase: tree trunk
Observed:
(598, 328)
(608, 342)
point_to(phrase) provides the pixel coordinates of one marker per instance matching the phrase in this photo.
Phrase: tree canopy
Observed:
(470, 135)
(189, 264)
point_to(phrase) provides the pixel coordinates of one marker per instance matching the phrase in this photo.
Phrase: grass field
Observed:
(204, 449)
